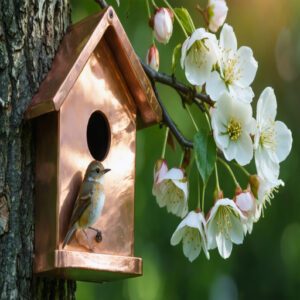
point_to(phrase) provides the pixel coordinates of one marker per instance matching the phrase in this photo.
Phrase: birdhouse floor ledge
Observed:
(88, 266)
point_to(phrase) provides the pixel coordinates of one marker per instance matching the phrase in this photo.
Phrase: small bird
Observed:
(90, 201)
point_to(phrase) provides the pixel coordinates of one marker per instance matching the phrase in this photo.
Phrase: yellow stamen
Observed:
(234, 129)
(267, 137)
(223, 220)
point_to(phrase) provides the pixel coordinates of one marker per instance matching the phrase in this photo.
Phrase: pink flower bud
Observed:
(245, 202)
(152, 58)
(217, 13)
(163, 25)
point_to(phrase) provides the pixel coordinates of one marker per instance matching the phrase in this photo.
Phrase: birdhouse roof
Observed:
(77, 46)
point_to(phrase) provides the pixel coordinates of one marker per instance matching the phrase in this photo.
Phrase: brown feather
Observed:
(82, 202)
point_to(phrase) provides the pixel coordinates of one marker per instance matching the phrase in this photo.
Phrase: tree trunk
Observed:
(30, 33)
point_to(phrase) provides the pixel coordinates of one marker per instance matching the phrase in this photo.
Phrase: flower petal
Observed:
(173, 174)
(227, 38)
(225, 106)
(224, 245)
(236, 232)
(283, 140)
(242, 112)
(212, 230)
(242, 94)
(265, 166)
(229, 202)
(246, 67)
(191, 244)
(215, 86)
(231, 151)
(222, 140)
(178, 234)
(192, 220)
(198, 35)
(244, 150)
(183, 186)
(266, 107)
(198, 73)
(183, 52)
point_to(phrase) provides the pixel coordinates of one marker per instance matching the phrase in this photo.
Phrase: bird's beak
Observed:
(105, 171)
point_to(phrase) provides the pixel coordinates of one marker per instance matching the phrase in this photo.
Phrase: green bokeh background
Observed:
(267, 265)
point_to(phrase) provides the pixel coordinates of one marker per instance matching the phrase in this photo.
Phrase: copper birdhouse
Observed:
(86, 109)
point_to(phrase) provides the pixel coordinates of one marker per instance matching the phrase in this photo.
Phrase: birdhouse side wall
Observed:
(46, 237)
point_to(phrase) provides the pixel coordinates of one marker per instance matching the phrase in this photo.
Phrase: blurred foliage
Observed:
(267, 265)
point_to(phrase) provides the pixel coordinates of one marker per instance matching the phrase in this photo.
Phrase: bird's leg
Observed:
(98, 236)
(87, 239)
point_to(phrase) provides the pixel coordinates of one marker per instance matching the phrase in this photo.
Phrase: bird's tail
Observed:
(69, 235)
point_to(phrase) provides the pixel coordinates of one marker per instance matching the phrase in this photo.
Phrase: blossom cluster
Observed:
(216, 66)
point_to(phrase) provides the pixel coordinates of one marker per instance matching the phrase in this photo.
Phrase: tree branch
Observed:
(182, 140)
(177, 85)
(102, 3)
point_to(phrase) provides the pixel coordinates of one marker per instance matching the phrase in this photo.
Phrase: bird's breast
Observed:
(93, 212)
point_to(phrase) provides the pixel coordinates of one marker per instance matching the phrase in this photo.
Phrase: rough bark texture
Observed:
(30, 33)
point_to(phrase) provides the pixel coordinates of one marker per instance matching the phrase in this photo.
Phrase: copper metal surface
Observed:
(62, 157)
(77, 46)
(101, 86)
(46, 187)
(89, 266)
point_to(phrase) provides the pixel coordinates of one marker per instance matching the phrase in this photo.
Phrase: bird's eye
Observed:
(98, 170)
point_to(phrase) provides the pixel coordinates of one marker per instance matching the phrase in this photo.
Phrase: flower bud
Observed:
(163, 25)
(152, 58)
(245, 202)
(217, 13)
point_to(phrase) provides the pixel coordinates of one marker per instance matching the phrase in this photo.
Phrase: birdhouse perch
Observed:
(87, 109)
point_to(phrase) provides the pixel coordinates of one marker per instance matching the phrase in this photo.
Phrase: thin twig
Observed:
(177, 85)
(182, 140)
(102, 3)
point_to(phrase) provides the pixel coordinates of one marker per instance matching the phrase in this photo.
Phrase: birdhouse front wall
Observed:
(100, 88)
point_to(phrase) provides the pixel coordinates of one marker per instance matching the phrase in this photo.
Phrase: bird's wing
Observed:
(82, 202)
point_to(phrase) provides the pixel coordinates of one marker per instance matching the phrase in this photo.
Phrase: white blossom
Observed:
(236, 69)
(273, 140)
(152, 58)
(217, 13)
(265, 193)
(246, 202)
(163, 25)
(198, 55)
(160, 170)
(224, 227)
(192, 232)
(232, 125)
(171, 189)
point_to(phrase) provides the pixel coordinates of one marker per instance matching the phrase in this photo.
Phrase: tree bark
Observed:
(30, 33)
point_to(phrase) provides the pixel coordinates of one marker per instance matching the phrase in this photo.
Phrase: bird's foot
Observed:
(98, 237)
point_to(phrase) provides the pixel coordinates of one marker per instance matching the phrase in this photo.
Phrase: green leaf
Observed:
(185, 19)
(205, 153)
(176, 52)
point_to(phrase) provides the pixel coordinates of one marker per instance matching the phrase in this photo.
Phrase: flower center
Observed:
(223, 220)
(231, 73)
(234, 129)
(267, 137)
(197, 53)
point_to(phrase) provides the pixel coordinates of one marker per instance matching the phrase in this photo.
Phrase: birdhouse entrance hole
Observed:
(98, 135)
